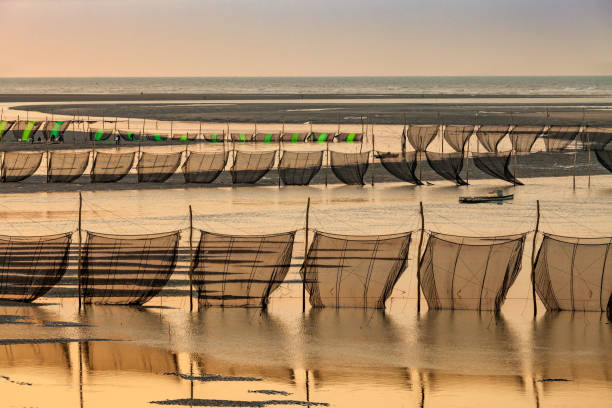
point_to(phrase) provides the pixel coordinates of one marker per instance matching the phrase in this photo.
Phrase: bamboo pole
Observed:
(373, 154)
(535, 235)
(327, 154)
(574, 170)
(80, 247)
(191, 259)
(419, 257)
(588, 157)
(305, 256)
(467, 159)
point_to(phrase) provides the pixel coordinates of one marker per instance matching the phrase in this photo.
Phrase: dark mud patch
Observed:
(4, 377)
(270, 392)
(232, 403)
(212, 377)
(9, 342)
(14, 319)
(554, 380)
(64, 324)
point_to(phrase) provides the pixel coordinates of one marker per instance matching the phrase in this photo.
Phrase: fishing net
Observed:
(126, 269)
(574, 273)
(296, 137)
(31, 266)
(496, 165)
(66, 167)
(490, 136)
(472, 273)
(157, 168)
(558, 138)
(241, 137)
(266, 137)
(456, 136)
(604, 157)
(184, 136)
(54, 130)
(447, 165)
(19, 166)
(352, 270)
(250, 167)
(111, 167)
(597, 138)
(523, 137)
(240, 270)
(156, 137)
(298, 168)
(401, 165)
(5, 126)
(100, 135)
(350, 168)
(204, 167)
(421, 136)
(349, 137)
(213, 137)
(129, 135)
(322, 137)
(24, 130)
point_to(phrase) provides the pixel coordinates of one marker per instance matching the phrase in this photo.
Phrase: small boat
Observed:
(493, 197)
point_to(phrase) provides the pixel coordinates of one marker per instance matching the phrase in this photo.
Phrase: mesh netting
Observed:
(66, 167)
(269, 137)
(574, 273)
(31, 266)
(350, 168)
(298, 168)
(157, 168)
(472, 273)
(240, 271)
(204, 167)
(250, 167)
(295, 137)
(24, 130)
(597, 138)
(126, 269)
(111, 167)
(213, 137)
(5, 126)
(401, 165)
(54, 130)
(496, 165)
(321, 137)
(354, 271)
(421, 136)
(129, 135)
(604, 157)
(558, 138)
(349, 137)
(184, 136)
(456, 136)
(241, 137)
(156, 137)
(447, 165)
(523, 137)
(18, 166)
(100, 135)
(490, 136)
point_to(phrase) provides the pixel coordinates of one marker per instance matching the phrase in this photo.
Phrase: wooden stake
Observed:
(305, 256)
(191, 258)
(327, 154)
(80, 247)
(373, 155)
(419, 257)
(574, 172)
(588, 157)
(535, 235)
(467, 159)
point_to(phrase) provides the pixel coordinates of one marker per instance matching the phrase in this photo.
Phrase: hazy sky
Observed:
(306, 37)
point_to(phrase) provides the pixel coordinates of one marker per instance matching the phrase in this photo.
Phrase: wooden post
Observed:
(305, 256)
(467, 159)
(327, 154)
(514, 181)
(80, 248)
(191, 259)
(535, 235)
(574, 171)
(588, 155)
(419, 257)
(373, 155)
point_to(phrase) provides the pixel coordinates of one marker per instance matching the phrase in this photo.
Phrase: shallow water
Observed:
(344, 358)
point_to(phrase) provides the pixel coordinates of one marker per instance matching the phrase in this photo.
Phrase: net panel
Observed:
(523, 137)
(157, 168)
(574, 273)
(19, 166)
(66, 167)
(350, 168)
(354, 271)
(204, 167)
(54, 130)
(470, 273)
(111, 167)
(321, 137)
(270, 137)
(558, 138)
(24, 130)
(126, 269)
(496, 165)
(298, 168)
(241, 137)
(604, 157)
(421, 136)
(597, 138)
(250, 167)
(212, 137)
(295, 137)
(184, 136)
(240, 270)
(490, 136)
(130, 135)
(447, 165)
(456, 136)
(31, 266)
(100, 135)
(5, 126)
(401, 165)
(156, 137)
(349, 137)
